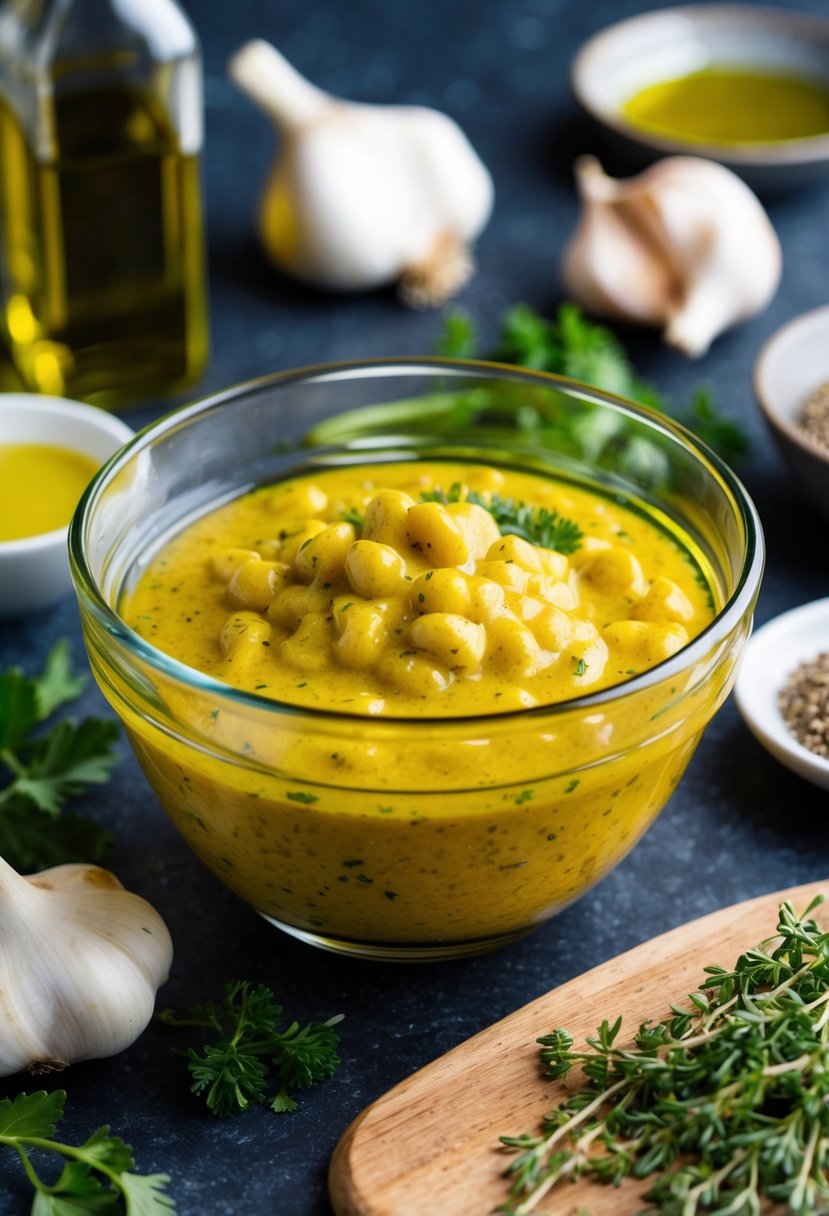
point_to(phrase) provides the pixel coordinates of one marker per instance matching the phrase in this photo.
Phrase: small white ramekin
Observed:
(771, 656)
(34, 571)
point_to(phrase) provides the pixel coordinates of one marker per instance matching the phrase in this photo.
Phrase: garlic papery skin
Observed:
(685, 246)
(81, 960)
(361, 196)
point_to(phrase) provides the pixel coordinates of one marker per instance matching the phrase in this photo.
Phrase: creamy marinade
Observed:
(353, 590)
(390, 591)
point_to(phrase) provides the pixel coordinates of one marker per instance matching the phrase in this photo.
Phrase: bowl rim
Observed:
(770, 726)
(764, 398)
(720, 627)
(26, 404)
(804, 150)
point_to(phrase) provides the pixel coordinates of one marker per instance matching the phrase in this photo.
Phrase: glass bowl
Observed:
(512, 815)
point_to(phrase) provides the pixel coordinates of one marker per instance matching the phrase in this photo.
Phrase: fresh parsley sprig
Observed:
(538, 525)
(97, 1176)
(725, 1105)
(44, 770)
(571, 345)
(250, 1051)
(568, 345)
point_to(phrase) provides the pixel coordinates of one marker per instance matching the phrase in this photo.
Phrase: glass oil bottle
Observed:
(102, 275)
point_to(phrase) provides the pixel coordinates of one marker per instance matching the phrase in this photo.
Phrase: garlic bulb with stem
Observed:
(361, 196)
(81, 960)
(685, 246)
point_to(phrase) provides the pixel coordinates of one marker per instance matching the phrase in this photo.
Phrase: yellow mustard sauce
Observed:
(40, 486)
(280, 594)
(731, 105)
(316, 833)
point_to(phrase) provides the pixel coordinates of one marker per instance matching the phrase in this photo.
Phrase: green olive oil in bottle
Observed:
(102, 275)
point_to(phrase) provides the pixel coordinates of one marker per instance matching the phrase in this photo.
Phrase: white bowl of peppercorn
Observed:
(791, 384)
(782, 690)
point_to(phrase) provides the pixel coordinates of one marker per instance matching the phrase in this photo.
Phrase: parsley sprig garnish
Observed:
(97, 1176)
(44, 769)
(726, 1103)
(352, 516)
(538, 525)
(250, 1054)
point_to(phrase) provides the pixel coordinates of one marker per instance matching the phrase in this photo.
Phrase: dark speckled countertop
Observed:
(738, 825)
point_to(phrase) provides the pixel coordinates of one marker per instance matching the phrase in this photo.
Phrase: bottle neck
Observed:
(52, 48)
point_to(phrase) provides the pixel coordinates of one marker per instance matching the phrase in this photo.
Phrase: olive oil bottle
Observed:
(102, 276)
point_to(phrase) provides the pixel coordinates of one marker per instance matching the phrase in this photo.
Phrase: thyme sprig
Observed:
(538, 525)
(725, 1105)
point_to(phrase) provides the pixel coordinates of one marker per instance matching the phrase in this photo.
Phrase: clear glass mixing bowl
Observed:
(511, 816)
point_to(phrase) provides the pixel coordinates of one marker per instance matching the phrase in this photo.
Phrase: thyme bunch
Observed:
(725, 1105)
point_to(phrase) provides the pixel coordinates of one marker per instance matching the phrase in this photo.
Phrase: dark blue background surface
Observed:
(739, 824)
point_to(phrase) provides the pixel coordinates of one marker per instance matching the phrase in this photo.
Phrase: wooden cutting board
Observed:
(430, 1147)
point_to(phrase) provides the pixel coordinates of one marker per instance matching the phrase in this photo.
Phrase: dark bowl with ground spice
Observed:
(791, 384)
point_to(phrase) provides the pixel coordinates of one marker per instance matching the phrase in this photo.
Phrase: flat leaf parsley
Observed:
(567, 344)
(45, 769)
(571, 345)
(249, 1050)
(97, 1176)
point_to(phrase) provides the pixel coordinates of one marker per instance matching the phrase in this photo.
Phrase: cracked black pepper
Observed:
(804, 703)
(814, 416)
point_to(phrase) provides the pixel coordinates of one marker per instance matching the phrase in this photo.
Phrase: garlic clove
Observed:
(610, 272)
(81, 960)
(685, 246)
(364, 195)
(274, 84)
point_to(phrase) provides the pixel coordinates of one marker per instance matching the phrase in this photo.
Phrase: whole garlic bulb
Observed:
(81, 960)
(360, 195)
(685, 246)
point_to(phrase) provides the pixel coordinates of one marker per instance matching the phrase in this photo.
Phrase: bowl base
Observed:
(399, 952)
